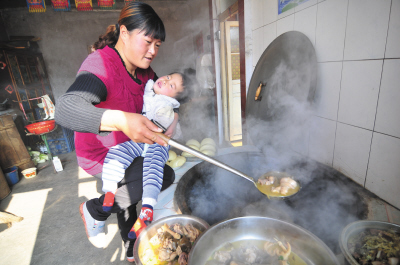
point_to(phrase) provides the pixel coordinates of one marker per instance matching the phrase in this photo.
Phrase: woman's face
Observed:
(139, 50)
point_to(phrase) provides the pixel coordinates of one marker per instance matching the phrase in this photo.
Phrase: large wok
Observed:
(307, 246)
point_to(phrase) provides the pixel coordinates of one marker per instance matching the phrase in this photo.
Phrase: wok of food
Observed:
(170, 245)
(249, 252)
(277, 184)
(375, 247)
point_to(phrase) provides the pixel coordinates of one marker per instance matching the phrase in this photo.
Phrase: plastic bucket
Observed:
(29, 172)
(11, 175)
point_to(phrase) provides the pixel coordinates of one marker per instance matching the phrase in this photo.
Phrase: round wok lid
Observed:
(287, 71)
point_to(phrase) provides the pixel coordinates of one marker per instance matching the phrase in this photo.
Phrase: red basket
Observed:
(84, 5)
(61, 5)
(36, 6)
(41, 127)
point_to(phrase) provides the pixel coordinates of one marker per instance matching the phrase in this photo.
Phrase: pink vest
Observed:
(123, 93)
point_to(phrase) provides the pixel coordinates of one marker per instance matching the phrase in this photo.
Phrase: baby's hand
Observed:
(171, 129)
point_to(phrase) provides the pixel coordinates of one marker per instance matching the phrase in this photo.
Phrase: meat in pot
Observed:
(171, 245)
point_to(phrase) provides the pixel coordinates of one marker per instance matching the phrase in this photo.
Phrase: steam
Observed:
(327, 200)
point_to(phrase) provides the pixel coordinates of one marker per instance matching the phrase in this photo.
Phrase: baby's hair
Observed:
(185, 95)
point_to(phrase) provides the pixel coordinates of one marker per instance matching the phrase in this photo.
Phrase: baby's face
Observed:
(169, 85)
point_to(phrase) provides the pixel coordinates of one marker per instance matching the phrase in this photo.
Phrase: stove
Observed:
(326, 203)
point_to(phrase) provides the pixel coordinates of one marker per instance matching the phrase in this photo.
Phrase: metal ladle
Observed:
(204, 157)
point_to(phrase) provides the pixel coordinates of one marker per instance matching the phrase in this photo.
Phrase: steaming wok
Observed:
(262, 188)
(306, 245)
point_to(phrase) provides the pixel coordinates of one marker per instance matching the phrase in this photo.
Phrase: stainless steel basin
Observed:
(307, 246)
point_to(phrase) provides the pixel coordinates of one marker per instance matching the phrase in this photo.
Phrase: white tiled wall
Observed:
(367, 27)
(383, 169)
(393, 40)
(359, 92)
(389, 99)
(351, 154)
(356, 128)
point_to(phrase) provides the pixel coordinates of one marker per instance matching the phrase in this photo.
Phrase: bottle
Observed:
(57, 164)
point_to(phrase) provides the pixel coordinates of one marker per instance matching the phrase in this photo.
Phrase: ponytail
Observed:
(108, 38)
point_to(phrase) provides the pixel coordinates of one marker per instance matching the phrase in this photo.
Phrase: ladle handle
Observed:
(203, 156)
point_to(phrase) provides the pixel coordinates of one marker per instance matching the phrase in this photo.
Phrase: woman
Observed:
(103, 107)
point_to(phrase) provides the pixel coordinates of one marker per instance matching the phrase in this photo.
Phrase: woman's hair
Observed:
(135, 15)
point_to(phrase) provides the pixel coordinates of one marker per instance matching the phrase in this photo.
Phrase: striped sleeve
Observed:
(76, 109)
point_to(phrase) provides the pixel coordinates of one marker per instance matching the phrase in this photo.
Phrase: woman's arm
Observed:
(135, 126)
(75, 110)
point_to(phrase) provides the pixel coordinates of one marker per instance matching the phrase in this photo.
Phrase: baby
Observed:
(161, 101)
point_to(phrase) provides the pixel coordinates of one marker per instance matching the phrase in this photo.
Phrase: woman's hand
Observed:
(171, 129)
(137, 127)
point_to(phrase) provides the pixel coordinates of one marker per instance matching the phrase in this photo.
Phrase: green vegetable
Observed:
(43, 156)
(35, 153)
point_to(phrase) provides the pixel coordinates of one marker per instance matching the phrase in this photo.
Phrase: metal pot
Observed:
(307, 246)
(143, 241)
(357, 227)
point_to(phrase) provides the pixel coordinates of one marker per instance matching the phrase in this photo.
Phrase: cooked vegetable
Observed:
(373, 246)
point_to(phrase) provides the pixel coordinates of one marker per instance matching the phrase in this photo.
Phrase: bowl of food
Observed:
(371, 243)
(259, 240)
(168, 240)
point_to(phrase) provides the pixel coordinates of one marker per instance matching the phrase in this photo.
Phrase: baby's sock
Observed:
(108, 201)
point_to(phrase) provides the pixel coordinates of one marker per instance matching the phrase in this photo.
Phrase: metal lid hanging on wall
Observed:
(84, 5)
(36, 6)
(285, 76)
(61, 5)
